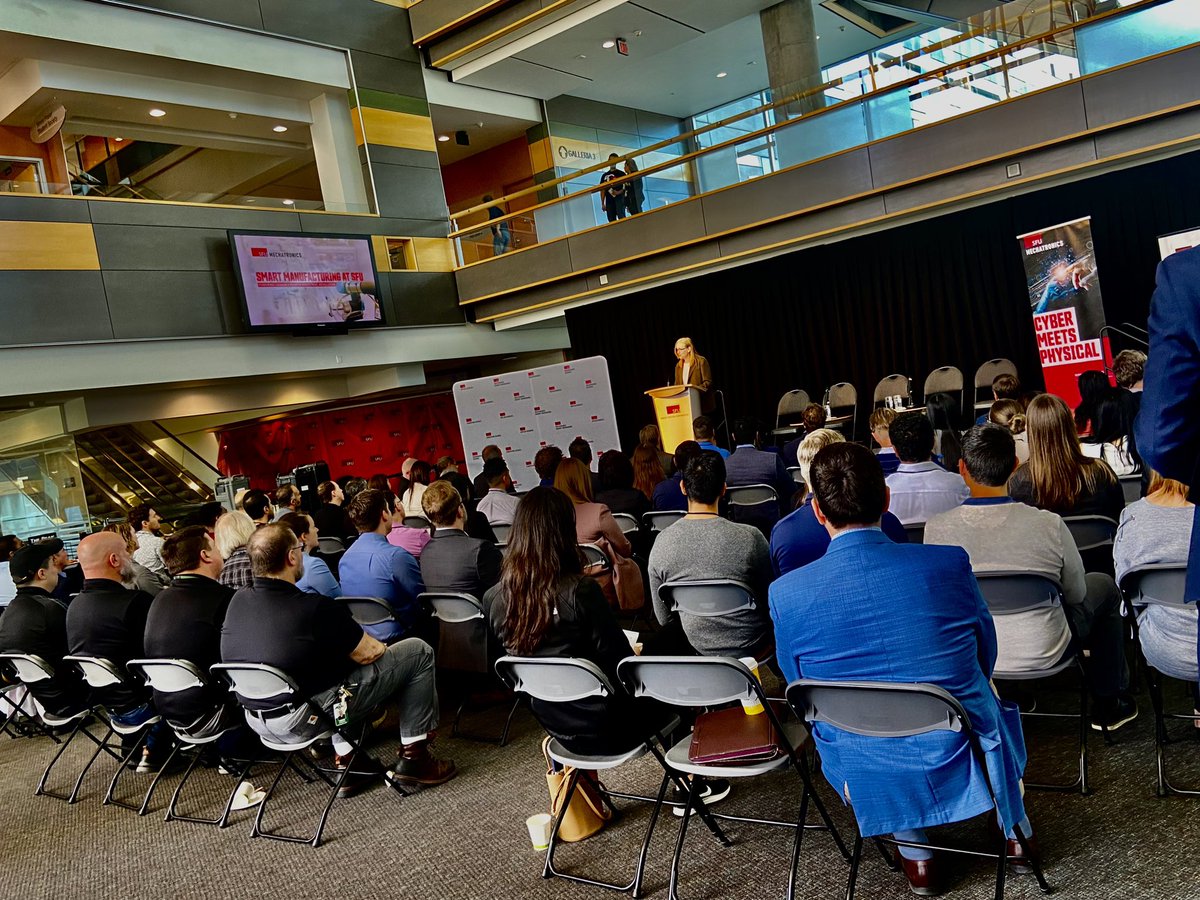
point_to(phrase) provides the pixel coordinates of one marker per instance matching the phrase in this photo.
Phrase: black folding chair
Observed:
(660, 520)
(915, 532)
(887, 710)
(1012, 593)
(595, 562)
(172, 676)
(100, 674)
(257, 685)
(627, 521)
(692, 681)
(1160, 585)
(416, 522)
(555, 680)
(501, 532)
(369, 611)
(709, 599)
(23, 719)
(465, 647)
(31, 669)
(1091, 532)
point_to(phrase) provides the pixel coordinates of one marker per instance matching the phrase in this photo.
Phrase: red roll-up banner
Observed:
(1064, 297)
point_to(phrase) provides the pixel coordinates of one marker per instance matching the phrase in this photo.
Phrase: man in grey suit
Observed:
(750, 465)
(454, 561)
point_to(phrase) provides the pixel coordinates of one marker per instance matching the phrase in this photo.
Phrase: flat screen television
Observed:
(306, 283)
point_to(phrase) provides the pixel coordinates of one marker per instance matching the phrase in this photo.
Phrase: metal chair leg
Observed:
(673, 885)
(100, 746)
(158, 777)
(855, 858)
(1001, 866)
(41, 785)
(654, 814)
(112, 785)
(796, 845)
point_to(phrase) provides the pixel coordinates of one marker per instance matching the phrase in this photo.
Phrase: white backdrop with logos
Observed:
(521, 412)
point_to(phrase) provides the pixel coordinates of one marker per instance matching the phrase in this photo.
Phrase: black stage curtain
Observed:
(945, 291)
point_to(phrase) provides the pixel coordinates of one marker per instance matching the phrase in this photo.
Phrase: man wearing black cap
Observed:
(36, 623)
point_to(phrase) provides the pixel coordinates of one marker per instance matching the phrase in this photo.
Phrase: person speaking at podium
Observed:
(691, 368)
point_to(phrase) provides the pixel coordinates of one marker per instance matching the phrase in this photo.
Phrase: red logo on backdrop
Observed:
(483, 400)
(671, 410)
(508, 449)
(595, 418)
(516, 394)
(553, 388)
(487, 434)
(574, 402)
(556, 424)
(1033, 240)
(258, 251)
(587, 381)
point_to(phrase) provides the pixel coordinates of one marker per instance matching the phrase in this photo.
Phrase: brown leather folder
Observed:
(730, 737)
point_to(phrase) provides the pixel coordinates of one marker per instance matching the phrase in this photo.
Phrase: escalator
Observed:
(121, 467)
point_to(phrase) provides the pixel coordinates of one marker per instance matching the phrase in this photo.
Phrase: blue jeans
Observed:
(159, 733)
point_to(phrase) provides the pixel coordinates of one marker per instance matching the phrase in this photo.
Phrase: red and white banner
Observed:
(521, 412)
(1064, 297)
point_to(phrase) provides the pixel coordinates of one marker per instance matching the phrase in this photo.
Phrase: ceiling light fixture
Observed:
(582, 56)
(289, 202)
(158, 113)
(279, 129)
(722, 74)
(118, 140)
(443, 138)
(609, 44)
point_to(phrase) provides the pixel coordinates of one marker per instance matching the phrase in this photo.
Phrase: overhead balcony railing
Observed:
(1014, 51)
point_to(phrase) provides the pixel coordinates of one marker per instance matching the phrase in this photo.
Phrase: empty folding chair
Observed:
(31, 669)
(465, 647)
(1160, 585)
(627, 522)
(1010, 593)
(787, 413)
(660, 520)
(692, 681)
(269, 696)
(893, 386)
(103, 673)
(171, 676)
(552, 680)
(841, 401)
(889, 710)
(985, 375)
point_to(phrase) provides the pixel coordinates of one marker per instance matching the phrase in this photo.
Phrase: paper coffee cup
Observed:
(539, 830)
(751, 706)
(632, 637)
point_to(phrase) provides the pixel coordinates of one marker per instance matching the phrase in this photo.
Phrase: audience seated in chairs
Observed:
(1058, 476)
(874, 610)
(184, 622)
(581, 450)
(499, 503)
(880, 421)
(108, 621)
(447, 470)
(1003, 536)
(799, 538)
(318, 578)
(453, 561)
(593, 521)
(232, 533)
(1004, 387)
(668, 494)
(702, 546)
(144, 521)
(920, 488)
(545, 463)
(318, 644)
(942, 411)
(648, 471)
(1157, 530)
(287, 499)
(616, 485)
(418, 480)
(374, 568)
(813, 418)
(702, 429)
(651, 438)
(143, 579)
(1010, 414)
(332, 519)
(36, 623)
(1112, 437)
(749, 464)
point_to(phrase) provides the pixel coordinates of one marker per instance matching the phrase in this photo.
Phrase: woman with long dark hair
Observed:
(545, 606)
(1093, 385)
(943, 413)
(1112, 435)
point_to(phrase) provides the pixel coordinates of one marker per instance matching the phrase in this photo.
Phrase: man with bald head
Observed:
(109, 621)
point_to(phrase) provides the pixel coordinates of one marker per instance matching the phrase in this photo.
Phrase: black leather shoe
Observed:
(922, 875)
(1018, 862)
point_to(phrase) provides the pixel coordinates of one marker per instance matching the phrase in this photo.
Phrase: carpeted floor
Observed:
(467, 839)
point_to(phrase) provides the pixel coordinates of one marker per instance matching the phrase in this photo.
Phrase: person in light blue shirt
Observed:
(702, 428)
(920, 487)
(317, 577)
(374, 568)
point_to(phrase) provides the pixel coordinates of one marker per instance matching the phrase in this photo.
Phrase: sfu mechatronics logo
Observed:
(258, 251)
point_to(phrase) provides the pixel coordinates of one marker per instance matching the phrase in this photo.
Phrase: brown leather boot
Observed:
(416, 765)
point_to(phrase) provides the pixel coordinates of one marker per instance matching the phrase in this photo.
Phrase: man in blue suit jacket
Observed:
(872, 610)
(750, 465)
(1168, 425)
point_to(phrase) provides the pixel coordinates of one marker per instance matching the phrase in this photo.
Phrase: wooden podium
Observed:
(674, 409)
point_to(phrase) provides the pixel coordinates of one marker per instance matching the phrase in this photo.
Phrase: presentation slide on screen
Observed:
(296, 280)
(1179, 241)
(521, 412)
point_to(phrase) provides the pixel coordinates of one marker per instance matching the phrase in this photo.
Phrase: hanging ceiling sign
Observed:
(48, 124)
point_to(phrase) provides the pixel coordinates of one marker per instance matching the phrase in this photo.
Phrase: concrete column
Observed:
(790, 41)
(336, 154)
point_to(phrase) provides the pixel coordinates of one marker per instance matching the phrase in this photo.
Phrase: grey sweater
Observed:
(711, 548)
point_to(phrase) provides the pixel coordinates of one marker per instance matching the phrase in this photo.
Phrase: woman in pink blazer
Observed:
(592, 520)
